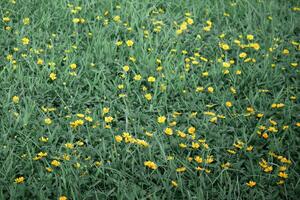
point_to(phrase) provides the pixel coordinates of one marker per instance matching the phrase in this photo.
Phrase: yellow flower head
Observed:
(55, 163)
(161, 119)
(25, 41)
(48, 121)
(52, 76)
(20, 180)
(168, 131)
(129, 43)
(251, 184)
(151, 79)
(16, 99)
(118, 138)
(150, 165)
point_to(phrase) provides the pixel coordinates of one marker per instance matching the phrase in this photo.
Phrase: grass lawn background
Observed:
(149, 99)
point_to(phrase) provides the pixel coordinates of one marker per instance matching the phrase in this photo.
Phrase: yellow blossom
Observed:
(150, 165)
(16, 99)
(129, 43)
(168, 131)
(20, 180)
(148, 96)
(52, 76)
(118, 138)
(25, 41)
(55, 163)
(161, 119)
(151, 79)
(48, 121)
(251, 184)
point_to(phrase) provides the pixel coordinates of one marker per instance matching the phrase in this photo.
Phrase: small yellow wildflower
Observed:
(20, 180)
(150, 165)
(16, 99)
(118, 138)
(168, 131)
(161, 119)
(52, 76)
(251, 184)
(129, 43)
(48, 121)
(55, 163)
(25, 41)
(151, 79)
(148, 96)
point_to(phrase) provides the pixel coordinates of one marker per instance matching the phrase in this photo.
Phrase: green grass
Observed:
(93, 164)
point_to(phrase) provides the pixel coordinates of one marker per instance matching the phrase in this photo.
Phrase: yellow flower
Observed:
(148, 96)
(117, 18)
(190, 21)
(255, 46)
(119, 43)
(108, 119)
(48, 121)
(243, 55)
(259, 115)
(118, 138)
(174, 183)
(49, 169)
(224, 46)
(89, 119)
(69, 145)
(205, 74)
(16, 99)
(285, 51)
(161, 119)
(250, 37)
(151, 79)
(55, 163)
(40, 61)
(250, 148)
(209, 159)
(62, 198)
(76, 123)
(98, 163)
(73, 66)
(283, 175)
(199, 89)
(226, 165)
(182, 145)
(6, 19)
(210, 89)
(52, 76)
(129, 43)
(26, 21)
(191, 130)
(126, 68)
(25, 41)
(213, 119)
(226, 64)
(195, 145)
(294, 64)
(181, 169)
(76, 20)
(137, 77)
(105, 110)
(150, 165)
(168, 131)
(251, 183)
(228, 104)
(20, 180)
(43, 139)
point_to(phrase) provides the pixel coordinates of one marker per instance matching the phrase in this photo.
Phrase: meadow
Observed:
(140, 99)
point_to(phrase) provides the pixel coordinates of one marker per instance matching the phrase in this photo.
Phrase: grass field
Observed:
(140, 99)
